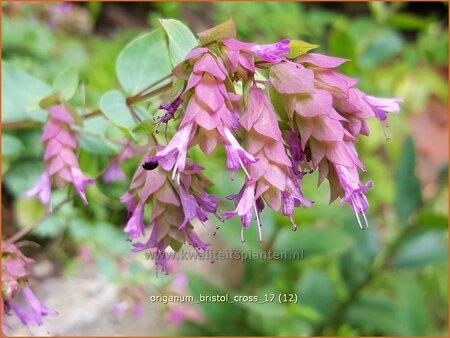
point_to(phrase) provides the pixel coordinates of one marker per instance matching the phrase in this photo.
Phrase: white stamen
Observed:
(357, 216)
(245, 170)
(386, 136)
(242, 235)
(259, 223)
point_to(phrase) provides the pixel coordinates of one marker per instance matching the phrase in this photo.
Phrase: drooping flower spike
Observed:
(61, 163)
(318, 118)
(15, 270)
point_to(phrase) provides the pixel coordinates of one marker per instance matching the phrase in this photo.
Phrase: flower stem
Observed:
(18, 235)
(377, 268)
(143, 97)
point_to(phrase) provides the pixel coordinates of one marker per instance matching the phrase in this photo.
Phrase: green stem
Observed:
(377, 268)
(142, 97)
(18, 235)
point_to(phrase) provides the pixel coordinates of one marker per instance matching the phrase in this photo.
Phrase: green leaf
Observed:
(181, 39)
(21, 93)
(407, 184)
(406, 21)
(380, 311)
(11, 146)
(142, 131)
(314, 241)
(113, 104)
(411, 314)
(432, 220)
(23, 177)
(225, 30)
(341, 44)
(98, 144)
(424, 248)
(382, 47)
(66, 83)
(143, 62)
(299, 47)
(218, 314)
(316, 291)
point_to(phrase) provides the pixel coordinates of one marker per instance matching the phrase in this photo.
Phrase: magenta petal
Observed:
(327, 130)
(154, 181)
(233, 58)
(193, 80)
(52, 148)
(237, 45)
(246, 61)
(61, 114)
(196, 241)
(51, 129)
(16, 267)
(135, 225)
(261, 114)
(208, 92)
(315, 104)
(69, 157)
(209, 65)
(272, 52)
(79, 182)
(321, 60)
(195, 52)
(42, 189)
(276, 152)
(276, 177)
(56, 164)
(67, 138)
(288, 78)
(113, 173)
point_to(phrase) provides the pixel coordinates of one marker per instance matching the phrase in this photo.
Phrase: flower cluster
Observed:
(317, 118)
(15, 270)
(61, 163)
(174, 207)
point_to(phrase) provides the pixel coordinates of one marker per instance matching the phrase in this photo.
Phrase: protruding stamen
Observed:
(242, 235)
(243, 167)
(259, 223)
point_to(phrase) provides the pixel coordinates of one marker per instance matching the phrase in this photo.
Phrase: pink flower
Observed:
(113, 173)
(382, 106)
(32, 313)
(15, 270)
(173, 208)
(173, 156)
(61, 164)
(42, 189)
(237, 157)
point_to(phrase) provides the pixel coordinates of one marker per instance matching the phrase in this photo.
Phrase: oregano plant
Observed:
(277, 111)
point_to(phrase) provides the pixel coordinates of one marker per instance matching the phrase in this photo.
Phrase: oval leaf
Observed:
(408, 195)
(66, 83)
(21, 93)
(181, 39)
(113, 105)
(143, 62)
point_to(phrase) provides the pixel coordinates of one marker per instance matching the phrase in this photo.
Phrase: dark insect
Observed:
(150, 165)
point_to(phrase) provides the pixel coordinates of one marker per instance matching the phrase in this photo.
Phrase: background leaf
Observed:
(181, 39)
(66, 83)
(425, 248)
(407, 184)
(143, 61)
(113, 104)
(21, 93)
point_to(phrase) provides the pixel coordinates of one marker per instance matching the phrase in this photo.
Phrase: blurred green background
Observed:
(389, 280)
